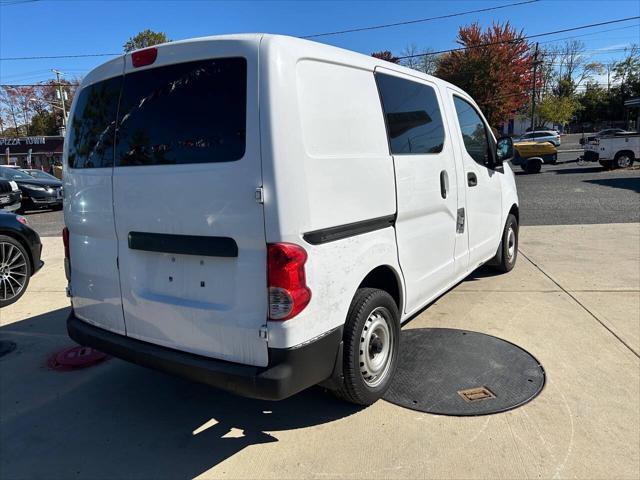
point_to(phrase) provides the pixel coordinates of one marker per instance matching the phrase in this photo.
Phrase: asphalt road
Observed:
(48, 223)
(569, 194)
(563, 194)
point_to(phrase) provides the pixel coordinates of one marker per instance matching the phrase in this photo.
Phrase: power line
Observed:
(316, 35)
(520, 39)
(591, 34)
(13, 85)
(48, 57)
(16, 2)
(421, 20)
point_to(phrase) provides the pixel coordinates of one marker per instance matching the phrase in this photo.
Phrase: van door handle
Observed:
(444, 183)
(472, 180)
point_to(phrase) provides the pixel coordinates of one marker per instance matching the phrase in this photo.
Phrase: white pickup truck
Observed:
(613, 151)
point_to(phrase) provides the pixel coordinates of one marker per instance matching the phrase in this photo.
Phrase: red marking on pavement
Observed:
(75, 358)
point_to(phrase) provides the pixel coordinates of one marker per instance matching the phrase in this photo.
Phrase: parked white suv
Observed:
(550, 136)
(261, 213)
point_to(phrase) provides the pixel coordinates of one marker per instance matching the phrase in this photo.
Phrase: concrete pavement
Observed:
(572, 301)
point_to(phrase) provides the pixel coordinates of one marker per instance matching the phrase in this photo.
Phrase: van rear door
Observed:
(88, 199)
(191, 241)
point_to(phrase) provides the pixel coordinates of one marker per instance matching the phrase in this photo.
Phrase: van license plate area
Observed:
(187, 277)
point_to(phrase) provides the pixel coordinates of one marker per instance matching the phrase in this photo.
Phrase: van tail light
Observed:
(144, 57)
(65, 241)
(67, 256)
(288, 291)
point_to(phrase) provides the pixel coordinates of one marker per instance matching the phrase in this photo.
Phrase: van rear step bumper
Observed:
(290, 370)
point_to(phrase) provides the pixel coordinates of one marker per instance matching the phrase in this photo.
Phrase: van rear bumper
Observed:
(290, 370)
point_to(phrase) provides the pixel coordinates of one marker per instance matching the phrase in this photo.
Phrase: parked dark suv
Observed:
(20, 251)
(36, 192)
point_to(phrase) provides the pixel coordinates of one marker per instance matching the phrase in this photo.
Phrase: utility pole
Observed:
(533, 90)
(61, 93)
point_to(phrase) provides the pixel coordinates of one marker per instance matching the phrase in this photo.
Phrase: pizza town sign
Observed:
(12, 142)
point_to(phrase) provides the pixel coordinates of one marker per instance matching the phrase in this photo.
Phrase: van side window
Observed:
(412, 113)
(91, 131)
(193, 112)
(474, 133)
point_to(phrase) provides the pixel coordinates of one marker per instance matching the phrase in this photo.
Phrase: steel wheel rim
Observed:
(13, 271)
(623, 161)
(376, 347)
(511, 243)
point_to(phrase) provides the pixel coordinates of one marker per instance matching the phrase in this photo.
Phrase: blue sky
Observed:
(63, 27)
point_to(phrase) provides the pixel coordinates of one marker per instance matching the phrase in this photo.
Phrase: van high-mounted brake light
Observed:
(144, 57)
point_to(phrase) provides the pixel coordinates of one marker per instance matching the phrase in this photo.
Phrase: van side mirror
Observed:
(504, 150)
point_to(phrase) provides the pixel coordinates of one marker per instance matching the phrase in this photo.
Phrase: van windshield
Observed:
(193, 112)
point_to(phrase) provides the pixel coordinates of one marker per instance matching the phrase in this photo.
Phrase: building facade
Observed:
(32, 152)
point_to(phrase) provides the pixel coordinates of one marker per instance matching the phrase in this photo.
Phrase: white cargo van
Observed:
(261, 213)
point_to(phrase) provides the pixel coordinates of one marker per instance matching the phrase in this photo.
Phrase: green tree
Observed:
(594, 103)
(627, 73)
(145, 39)
(556, 109)
(44, 122)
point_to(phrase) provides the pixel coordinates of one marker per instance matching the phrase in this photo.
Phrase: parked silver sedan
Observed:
(541, 136)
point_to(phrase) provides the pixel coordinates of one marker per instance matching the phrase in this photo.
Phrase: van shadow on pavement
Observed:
(120, 420)
(626, 183)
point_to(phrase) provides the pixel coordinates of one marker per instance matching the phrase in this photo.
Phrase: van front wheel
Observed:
(371, 339)
(509, 245)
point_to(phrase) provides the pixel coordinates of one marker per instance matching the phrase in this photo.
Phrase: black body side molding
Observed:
(183, 244)
(332, 234)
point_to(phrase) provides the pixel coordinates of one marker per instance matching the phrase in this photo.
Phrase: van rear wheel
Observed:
(371, 340)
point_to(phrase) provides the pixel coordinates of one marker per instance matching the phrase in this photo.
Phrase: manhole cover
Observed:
(76, 357)
(6, 347)
(457, 372)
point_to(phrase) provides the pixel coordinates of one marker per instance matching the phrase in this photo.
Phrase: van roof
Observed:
(306, 48)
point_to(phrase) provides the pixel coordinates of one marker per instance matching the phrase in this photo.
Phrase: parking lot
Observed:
(573, 301)
(562, 194)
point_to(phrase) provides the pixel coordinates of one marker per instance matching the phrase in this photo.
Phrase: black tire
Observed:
(606, 164)
(623, 160)
(532, 166)
(18, 268)
(355, 388)
(508, 246)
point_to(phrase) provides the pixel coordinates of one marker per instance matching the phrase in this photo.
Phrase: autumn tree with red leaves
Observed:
(386, 55)
(495, 68)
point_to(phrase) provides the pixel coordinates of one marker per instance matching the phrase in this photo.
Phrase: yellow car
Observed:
(531, 155)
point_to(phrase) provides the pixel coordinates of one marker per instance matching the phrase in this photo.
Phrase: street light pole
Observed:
(64, 109)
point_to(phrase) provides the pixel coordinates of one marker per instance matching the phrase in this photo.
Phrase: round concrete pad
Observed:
(457, 372)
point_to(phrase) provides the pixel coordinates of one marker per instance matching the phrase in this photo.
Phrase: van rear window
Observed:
(191, 112)
(91, 131)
